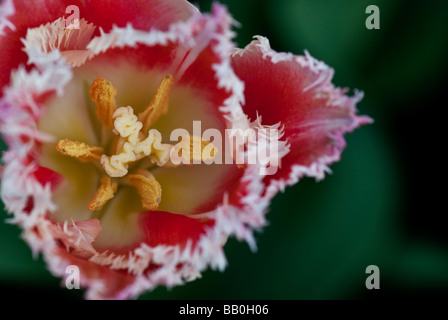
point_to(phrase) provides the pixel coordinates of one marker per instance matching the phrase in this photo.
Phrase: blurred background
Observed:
(384, 203)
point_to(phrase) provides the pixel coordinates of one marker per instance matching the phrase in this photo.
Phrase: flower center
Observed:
(135, 147)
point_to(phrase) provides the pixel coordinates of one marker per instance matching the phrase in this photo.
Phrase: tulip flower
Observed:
(92, 94)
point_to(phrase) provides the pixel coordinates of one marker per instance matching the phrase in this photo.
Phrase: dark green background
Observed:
(384, 203)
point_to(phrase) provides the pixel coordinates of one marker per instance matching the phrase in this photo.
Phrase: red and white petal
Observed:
(101, 281)
(142, 15)
(6, 10)
(296, 92)
(78, 236)
(26, 16)
(72, 43)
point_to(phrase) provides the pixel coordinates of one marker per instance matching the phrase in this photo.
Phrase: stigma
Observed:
(133, 145)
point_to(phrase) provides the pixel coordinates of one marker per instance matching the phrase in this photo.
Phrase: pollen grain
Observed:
(79, 150)
(103, 93)
(158, 105)
(104, 193)
(147, 187)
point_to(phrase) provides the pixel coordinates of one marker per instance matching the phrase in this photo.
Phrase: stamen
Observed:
(158, 105)
(147, 187)
(79, 150)
(104, 193)
(103, 93)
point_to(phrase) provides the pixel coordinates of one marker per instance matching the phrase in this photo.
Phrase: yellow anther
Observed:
(79, 150)
(104, 193)
(158, 105)
(193, 148)
(102, 92)
(147, 187)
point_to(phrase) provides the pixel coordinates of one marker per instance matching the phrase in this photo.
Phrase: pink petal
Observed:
(78, 236)
(6, 10)
(23, 19)
(296, 91)
(171, 229)
(141, 14)
(47, 176)
(104, 283)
